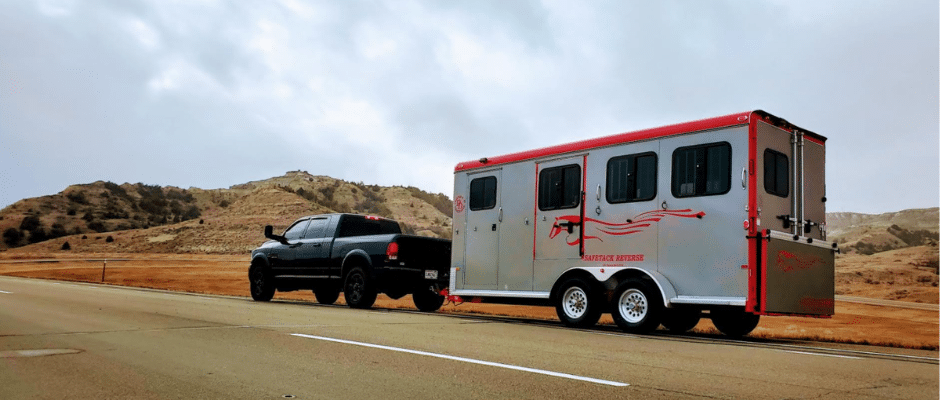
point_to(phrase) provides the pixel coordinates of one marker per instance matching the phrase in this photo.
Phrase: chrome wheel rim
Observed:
(575, 302)
(633, 306)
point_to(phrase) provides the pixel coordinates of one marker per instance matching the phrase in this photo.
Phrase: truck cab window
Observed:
(776, 173)
(296, 231)
(560, 187)
(483, 193)
(702, 170)
(316, 228)
(358, 225)
(631, 178)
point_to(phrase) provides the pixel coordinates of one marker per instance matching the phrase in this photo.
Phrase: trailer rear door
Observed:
(795, 266)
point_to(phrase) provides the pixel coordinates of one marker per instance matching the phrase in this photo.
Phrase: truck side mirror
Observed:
(269, 233)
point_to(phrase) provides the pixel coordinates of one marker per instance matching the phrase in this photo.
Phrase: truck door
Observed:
(558, 218)
(314, 248)
(795, 275)
(285, 255)
(484, 216)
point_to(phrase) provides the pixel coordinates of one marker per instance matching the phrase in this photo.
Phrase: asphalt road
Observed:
(68, 340)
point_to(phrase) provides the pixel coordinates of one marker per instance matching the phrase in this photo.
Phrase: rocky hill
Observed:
(868, 234)
(105, 217)
(149, 218)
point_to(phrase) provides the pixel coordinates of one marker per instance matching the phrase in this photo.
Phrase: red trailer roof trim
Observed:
(669, 130)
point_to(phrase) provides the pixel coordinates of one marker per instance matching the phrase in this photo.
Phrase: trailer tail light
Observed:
(392, 251)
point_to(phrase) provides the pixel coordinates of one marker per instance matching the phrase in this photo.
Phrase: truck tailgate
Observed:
(424, 252)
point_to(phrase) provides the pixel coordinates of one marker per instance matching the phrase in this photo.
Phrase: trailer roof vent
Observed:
(484, 160)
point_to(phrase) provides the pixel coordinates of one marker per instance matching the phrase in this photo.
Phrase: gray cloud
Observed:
(212, 94)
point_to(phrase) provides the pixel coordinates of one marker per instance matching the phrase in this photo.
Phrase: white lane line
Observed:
(6, 292)
(468, 360)
(821, 354)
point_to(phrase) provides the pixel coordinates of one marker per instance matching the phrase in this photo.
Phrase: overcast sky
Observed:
(211, 94)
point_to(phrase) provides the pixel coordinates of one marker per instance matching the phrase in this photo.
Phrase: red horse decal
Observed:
(638, 224)
(788, 261)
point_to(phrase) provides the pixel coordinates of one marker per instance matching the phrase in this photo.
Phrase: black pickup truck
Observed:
(359, 255)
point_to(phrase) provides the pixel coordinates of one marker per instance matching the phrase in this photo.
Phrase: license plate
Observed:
(430, 274)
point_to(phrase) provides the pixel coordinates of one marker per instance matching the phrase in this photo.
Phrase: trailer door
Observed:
(796, 267)
(558, 217)
(482, 236)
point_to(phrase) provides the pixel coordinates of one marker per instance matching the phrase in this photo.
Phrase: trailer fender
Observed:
(605, 275)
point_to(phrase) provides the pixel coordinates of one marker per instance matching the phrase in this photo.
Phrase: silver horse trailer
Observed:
(722, 218)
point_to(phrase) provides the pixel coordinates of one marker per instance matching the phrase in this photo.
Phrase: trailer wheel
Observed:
(359, 290)
(681, 321)
(637, 307)
(734, 322)
(578, 305)
(261, 282)
(326, 295)
(427, 301)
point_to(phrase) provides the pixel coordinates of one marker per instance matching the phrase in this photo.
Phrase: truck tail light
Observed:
(392, 251)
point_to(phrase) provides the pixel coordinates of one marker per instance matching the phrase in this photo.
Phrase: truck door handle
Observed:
(317, 245)
(500, 214)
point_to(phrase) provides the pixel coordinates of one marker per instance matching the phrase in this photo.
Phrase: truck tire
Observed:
(578, 304)
(427, 301)
(261, 282)
(637, 307)
(734, 322)
(681, 320)
(326, 295)
(359, 289)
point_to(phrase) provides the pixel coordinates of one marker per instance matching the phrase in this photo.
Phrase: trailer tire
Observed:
(359, 289)
(261, 282)
(681, 321)
(326, 295)
(637, 307)
(578, 305)
(427, 301)
(734, 322)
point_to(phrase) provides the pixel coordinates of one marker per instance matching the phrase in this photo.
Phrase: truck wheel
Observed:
(681, 321)
(359, 290)
(578, 305)
(326, 295)
(734, 322)
(637, 307)
(262, 283)
(427, 301)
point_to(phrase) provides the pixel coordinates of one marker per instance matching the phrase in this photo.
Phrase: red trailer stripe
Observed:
(669, 130)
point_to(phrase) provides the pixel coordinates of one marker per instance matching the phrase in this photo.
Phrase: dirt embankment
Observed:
(227, 275)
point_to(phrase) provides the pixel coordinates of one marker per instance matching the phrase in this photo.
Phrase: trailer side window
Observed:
(483, 193)
(776, 173)
(703, 170)
(631, 178)
(560, 187)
